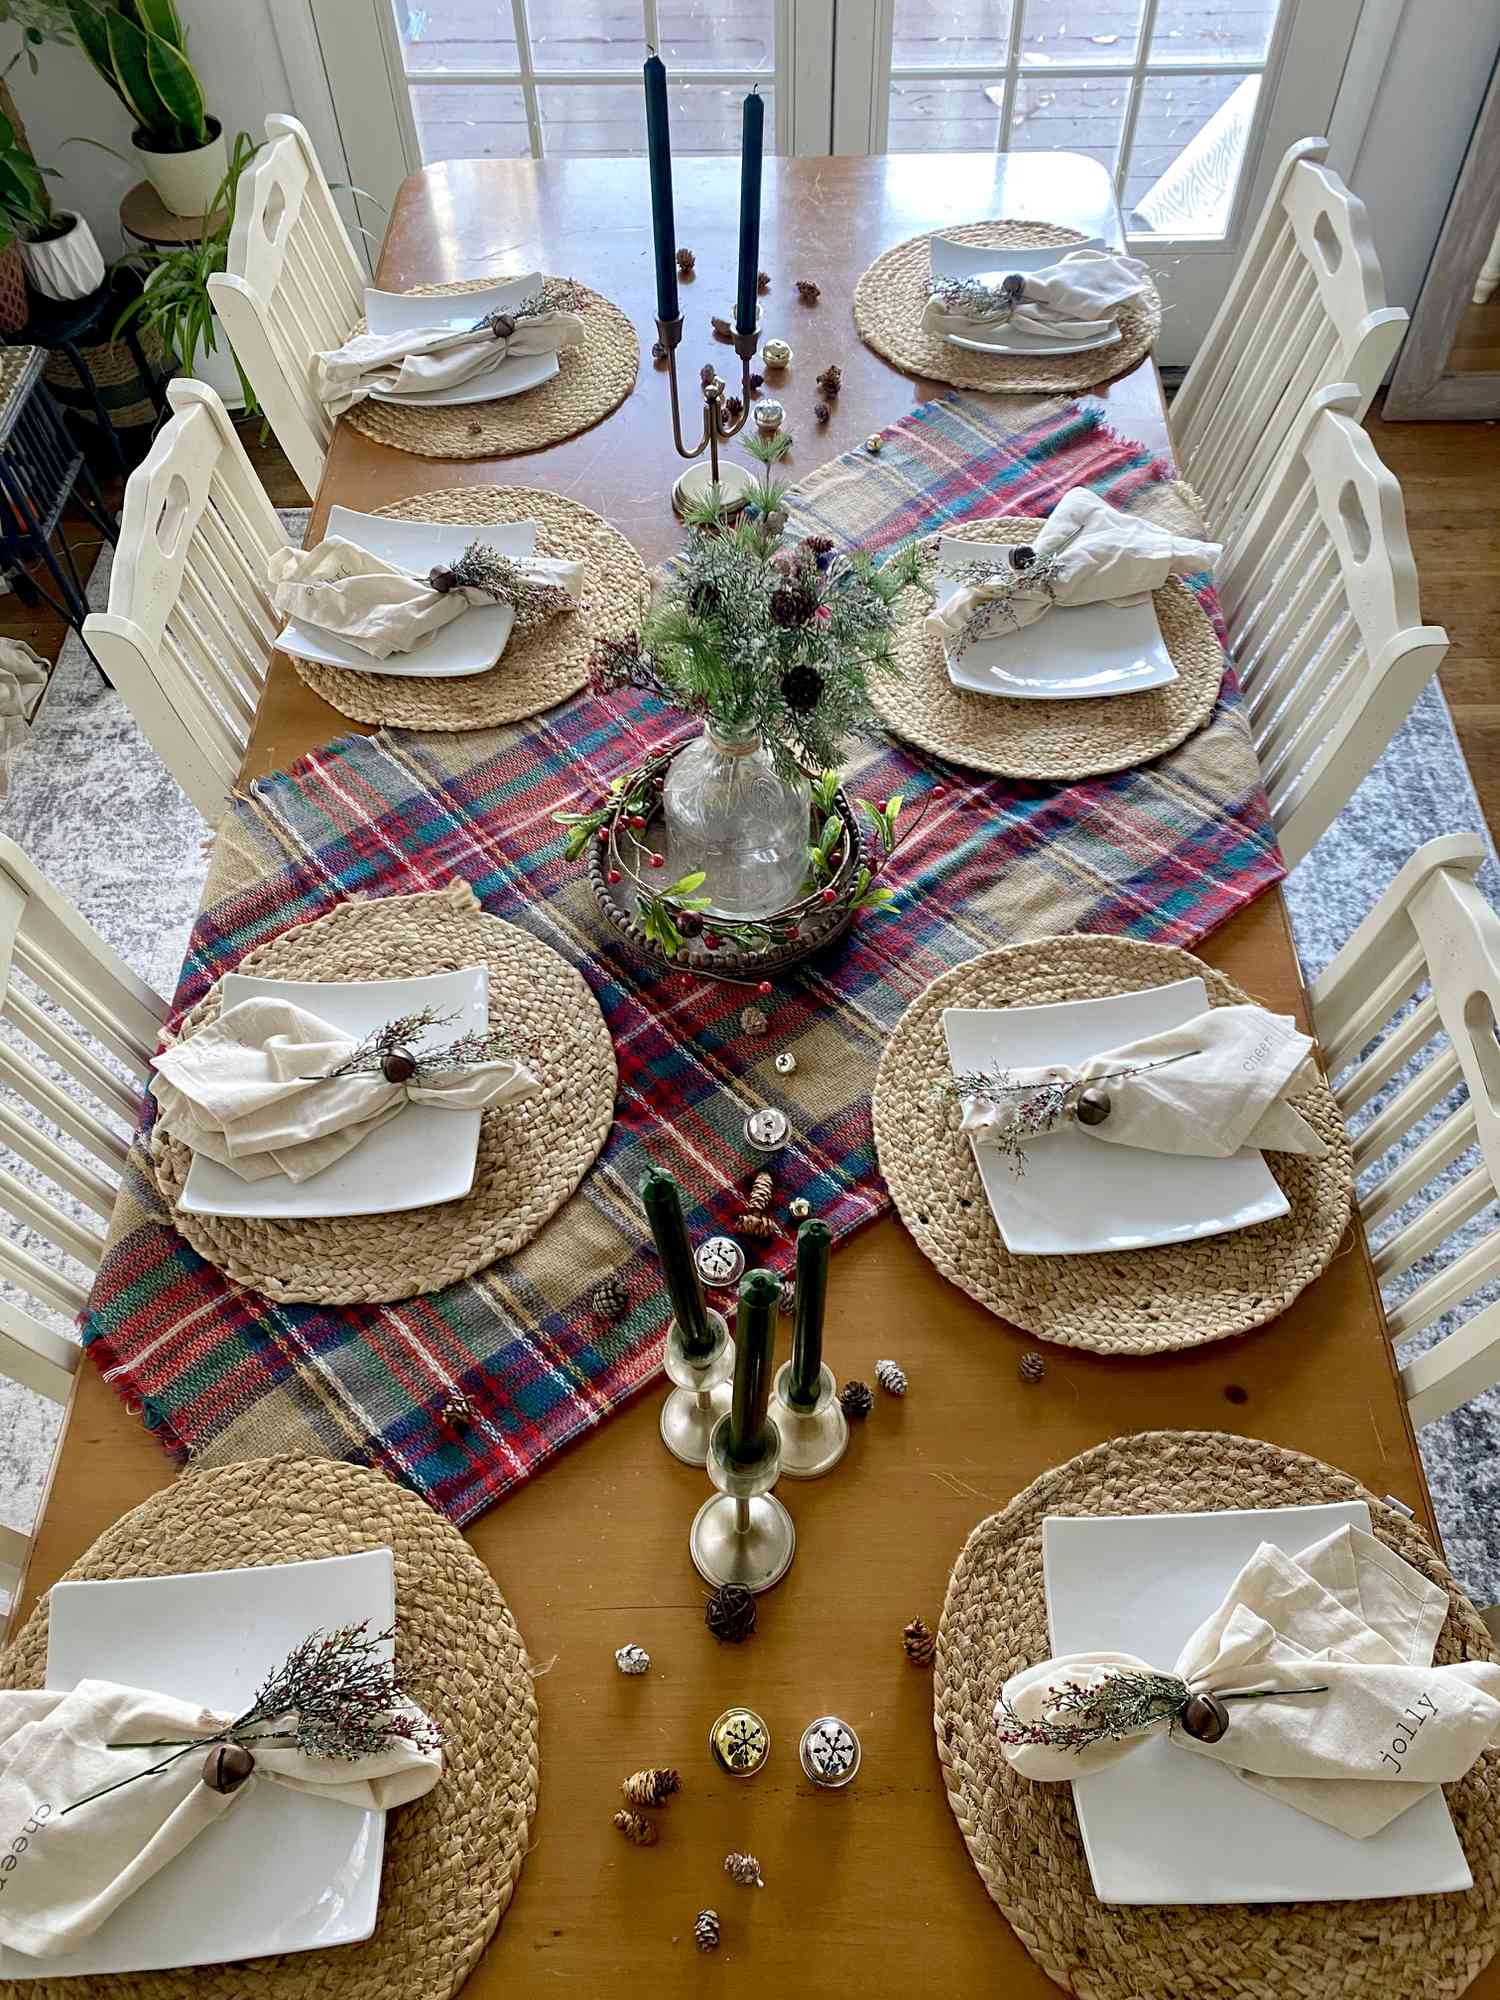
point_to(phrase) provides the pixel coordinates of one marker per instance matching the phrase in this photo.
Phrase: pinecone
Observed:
(831, 380)
(762, 282)
(753, 1021)
(821, 413)
(685, 262)
(892, 1377)
(856, 1400)
(1032, 1367)
(786, 1301)
(722, 329)
(658, 350)
(802, 688)
(790, 606)
(745, 1870)
(637, 1828)
(918, 1643)
(807, 291)
(632, 1659)
(706, 1930)
(457, 1413)
(730, 1613)
(757, 383)
(762, 1187)
(610, 1299)
(734, 409)
(650, 1788)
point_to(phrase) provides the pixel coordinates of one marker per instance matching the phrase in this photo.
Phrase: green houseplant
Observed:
(58, 248)
(140, 49)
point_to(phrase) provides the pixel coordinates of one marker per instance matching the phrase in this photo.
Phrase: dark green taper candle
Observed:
(663, 1204)
(755, 1337)
(813, 1242)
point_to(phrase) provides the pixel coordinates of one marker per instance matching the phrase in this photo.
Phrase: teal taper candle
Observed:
(752, 134)
(755, 1337)
(814, 1240)
(663, 1204)
(659, 163)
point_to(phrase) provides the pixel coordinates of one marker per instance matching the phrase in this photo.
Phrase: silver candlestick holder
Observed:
(812, 1441)
(701, 1397)
(735, 482)
(743, 1534)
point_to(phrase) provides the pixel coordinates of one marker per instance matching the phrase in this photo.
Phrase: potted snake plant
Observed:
(62, 259)
(140, 50)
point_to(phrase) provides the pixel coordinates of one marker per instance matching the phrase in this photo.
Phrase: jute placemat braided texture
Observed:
(1048, 740)
(1024, 1837)
(591, 380)
(889, 298)
(534, 672)
(453, 1857)
(531, 1155)
(1128, 1301)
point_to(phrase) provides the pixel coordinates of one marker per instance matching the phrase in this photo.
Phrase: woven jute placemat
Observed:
(451, 1858)
(1052, 741)
(1126, 1301)
(1024, 1837)
(889, 298)
(537, 670)
(531, 1155)
(591, 380)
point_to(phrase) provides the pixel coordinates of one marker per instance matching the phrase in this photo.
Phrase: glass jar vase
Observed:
(729, 811)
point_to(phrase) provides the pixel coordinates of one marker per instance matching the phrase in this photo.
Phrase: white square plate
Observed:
(1163, 1825)
(421, 1156)
(1075, 652)
(1079, 1194)
(971, 260)
(281, 1872)
(468, 645)
(401, 312)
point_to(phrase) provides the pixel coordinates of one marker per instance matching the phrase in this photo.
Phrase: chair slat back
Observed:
(1306, 307)
(1319, 594)
(190, 628)
(1406, 1015)
(292, 286)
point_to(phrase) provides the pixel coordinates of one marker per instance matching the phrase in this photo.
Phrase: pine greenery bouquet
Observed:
(766, 640)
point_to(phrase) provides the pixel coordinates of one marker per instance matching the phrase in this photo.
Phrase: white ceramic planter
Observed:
(186, 182)
(67, 267)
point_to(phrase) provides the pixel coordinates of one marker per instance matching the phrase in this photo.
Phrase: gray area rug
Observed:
(92, 805)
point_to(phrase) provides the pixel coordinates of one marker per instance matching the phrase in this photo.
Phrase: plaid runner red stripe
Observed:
(1168, 853)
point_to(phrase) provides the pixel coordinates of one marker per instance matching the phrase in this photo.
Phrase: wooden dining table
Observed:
(870, 1887)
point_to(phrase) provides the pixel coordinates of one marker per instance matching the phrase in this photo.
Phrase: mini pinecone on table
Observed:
(753, 1020)
(706, 1930)
(762, 282)
(610, 1298)
(1032, 1367)
(831, 380)
(856, 1400)
(652, 1787)
(891, 1376)
(632, 1659)
(786, 1298)
(807, 291)
(919, 1643)
(637, 1828)
(821, 413)
(685, 263)
(730, 1613)
(745, 1870)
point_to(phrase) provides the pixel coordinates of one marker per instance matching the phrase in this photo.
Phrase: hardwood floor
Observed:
(1449, 473)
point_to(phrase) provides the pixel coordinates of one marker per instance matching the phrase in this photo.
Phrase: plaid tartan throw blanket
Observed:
(1166, 853)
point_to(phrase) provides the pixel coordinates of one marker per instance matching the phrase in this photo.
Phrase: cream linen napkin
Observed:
(253, 1092)
(1085, 552)
(1347, 1612)
(65, 1872)
(23, 674)
(1076, 299)
(434, 357)
(344, 589)
(1207, 1087)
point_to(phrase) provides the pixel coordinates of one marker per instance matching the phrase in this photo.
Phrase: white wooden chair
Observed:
(1319, 593)
(60, 960)
(292, 285)
(190, 628)
(1306, 307)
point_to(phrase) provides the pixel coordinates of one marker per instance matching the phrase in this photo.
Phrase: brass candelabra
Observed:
(735, 482)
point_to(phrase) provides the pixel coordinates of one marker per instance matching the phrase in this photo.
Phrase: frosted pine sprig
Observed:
(1122, 1704)
(399, 1038)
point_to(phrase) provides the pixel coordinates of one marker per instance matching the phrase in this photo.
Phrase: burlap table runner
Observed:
(889, 298)
(451, 1858)
(537, 670)
(1024, 1837)
(591, 380)
(531, 1155)
(1124, 1301)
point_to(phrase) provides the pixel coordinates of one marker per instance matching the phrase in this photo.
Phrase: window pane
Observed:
(602, 118)
(937, 34)
(1187, 31)
(469, 122)
(1082, 31)
(585, 34)
(1190, 139)
(454, 34)
(1070, 114)
(944, 115)
(696, 34)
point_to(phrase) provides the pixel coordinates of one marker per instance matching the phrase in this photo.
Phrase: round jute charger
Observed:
(1024, 1837)
(1126, 1301)
(531, 1155)
(1053, 741)
(889, 298)
(534, 672)
(452, 1857)
(591, 380)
